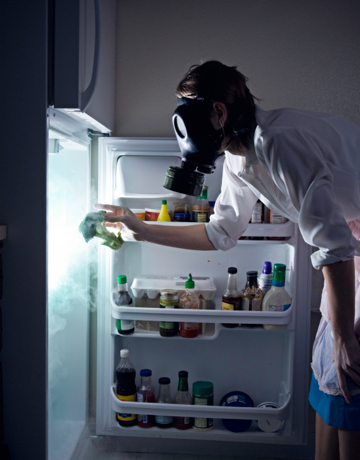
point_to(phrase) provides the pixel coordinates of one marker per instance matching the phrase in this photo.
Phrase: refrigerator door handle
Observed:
(85, 96)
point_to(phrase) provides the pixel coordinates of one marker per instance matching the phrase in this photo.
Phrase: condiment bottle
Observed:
(169, 298)
(257, 217)
(183, 396)
(203, 395)
(276, 218)
(181, 212)
(164, 421)
(146, 393)
(123, 299)
(251, 295)
(201, 208)
(189, 300)
(277, 299)
(231, 298)
(265, 279)
(125, 387)
(164, 215)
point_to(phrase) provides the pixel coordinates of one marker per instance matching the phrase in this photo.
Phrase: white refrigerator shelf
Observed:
(183, 410)
(203, 316)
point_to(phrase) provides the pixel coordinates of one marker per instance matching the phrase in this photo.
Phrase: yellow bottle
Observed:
(164, 215)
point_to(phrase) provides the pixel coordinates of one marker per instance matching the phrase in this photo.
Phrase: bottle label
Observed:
(123, 416)
(279, 307)
(246, 304)
(256, 304)
(126, 324)
(277, 218)
(230, 306)
(257, 217)
(188, 326)
(201, 216)
(163, 420)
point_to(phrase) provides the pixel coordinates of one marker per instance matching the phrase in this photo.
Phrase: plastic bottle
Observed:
(169, 298)
(164, 215)
(125, 387)
(183, 396)
(203, 395)
(146, 393)
(123, 299)
(164, 421)
(265, 279)
(201, 207)
(189, 300)
(277, 299)
(231, 298)
(252, 295)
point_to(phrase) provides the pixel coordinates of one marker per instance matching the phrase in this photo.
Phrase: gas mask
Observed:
(200, 145)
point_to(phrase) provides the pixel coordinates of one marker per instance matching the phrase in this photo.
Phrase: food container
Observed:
(237, 399)
(269, 426)
(151, 214)
(140, 213)
(203, 395)
(182, 217)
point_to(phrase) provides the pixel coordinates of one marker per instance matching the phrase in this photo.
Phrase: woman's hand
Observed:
(124, 220)
(346, 356)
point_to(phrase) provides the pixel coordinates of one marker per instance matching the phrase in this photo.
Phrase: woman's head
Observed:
(220, 83)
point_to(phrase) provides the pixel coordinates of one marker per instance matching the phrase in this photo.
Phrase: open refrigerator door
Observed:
(268, 365)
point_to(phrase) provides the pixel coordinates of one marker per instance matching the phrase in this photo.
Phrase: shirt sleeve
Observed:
(232, 211)
(298, 168)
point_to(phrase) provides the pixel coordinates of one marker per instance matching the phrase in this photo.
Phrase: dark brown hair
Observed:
(221, 83)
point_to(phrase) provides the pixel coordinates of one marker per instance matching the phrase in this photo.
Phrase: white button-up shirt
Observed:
(304, 165)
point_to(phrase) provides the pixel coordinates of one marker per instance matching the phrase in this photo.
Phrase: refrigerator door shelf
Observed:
(211, 332)
(181, 410)
(203, 316)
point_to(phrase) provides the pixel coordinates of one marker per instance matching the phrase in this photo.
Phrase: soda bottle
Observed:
(164, 421)
(189, 300)
(231, 299)
(183, 396)
(125, 387)
(123, 299)
(146, 393)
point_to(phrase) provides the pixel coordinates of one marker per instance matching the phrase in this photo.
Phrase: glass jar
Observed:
(169, 298)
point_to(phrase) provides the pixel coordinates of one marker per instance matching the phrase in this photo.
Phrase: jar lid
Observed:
(202, 388)
(145, 373)
(168, 292)
(232, 270)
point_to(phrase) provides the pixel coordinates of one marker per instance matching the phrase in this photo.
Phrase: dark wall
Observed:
(23, 102)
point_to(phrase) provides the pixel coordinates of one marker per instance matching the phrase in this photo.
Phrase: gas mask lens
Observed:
(179, 127)
(199, 143)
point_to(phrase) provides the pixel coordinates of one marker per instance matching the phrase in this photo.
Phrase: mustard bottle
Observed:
(164, 215)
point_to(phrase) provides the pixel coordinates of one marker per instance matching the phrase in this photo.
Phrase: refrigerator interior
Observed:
(267, 365)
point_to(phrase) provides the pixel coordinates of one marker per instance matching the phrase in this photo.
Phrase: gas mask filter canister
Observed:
(200, 145)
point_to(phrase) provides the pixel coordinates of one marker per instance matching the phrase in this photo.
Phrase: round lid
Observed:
(202, 388)
(163, 202)
(145, 373)
(269, 426)
(164, 380)
(124, 353)
(232, 270)
(190, 284)
(183, 374)
(121, 279)
(252, 273)
(267, 268)
(168, 292)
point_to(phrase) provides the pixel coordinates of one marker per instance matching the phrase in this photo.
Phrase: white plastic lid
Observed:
(124, 353)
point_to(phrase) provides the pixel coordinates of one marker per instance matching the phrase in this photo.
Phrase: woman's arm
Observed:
(184, 237)
(340, 281)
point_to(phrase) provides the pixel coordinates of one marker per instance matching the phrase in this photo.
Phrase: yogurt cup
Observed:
(140, 213)
(151, 214)
(269, 426)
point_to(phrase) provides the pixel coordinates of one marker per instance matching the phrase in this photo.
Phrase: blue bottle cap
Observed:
(267, 268)
(145, 373)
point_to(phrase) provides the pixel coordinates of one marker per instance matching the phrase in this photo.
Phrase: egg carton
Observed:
(152, 285)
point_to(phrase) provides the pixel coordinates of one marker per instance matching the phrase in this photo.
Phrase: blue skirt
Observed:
(334, 410)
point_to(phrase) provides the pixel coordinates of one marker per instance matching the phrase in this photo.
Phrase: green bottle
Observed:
(123, 299)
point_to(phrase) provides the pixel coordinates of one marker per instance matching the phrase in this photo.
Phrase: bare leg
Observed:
(349, 445)
(327, 441)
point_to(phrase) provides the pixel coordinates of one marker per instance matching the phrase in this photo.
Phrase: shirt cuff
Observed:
(218, 236)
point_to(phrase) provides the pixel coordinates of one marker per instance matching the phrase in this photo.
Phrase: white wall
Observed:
(302, 54)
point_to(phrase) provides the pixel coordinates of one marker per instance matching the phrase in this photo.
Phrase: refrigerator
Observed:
(68, 287)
